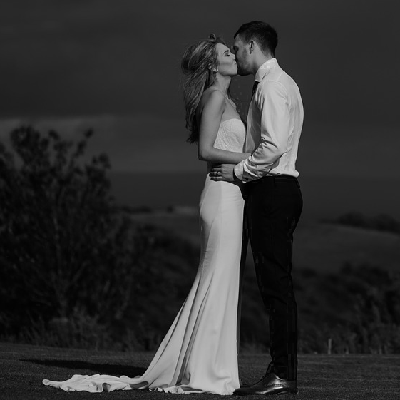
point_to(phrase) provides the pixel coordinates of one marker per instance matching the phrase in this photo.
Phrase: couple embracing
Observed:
(251, 192)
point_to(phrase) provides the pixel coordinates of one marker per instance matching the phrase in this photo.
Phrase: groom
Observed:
(273, 196)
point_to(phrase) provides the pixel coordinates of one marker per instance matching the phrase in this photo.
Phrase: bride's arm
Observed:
(209, 125)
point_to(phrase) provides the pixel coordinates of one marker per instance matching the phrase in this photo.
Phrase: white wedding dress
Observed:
(199, 352)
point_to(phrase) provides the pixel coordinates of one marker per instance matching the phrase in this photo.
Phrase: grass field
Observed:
(22, 368)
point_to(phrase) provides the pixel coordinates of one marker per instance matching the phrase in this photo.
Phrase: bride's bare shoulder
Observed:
(212, 95)
(213, 99)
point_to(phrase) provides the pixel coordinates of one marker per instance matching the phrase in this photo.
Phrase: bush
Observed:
(357, 308)
(65, 248)
(383, 222)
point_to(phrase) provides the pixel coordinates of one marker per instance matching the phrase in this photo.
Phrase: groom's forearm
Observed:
(255, 167)
(246, 174)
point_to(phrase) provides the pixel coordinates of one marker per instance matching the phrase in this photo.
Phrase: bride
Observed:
(199, 352)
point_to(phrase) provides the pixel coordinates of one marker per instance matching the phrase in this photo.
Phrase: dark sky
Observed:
(114, 65)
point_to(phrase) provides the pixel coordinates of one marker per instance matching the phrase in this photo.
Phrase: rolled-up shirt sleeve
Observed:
(272, 101)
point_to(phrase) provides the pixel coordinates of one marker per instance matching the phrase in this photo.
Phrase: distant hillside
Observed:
(328, 293)
(321, 246)
(325, 282)
(327, 246)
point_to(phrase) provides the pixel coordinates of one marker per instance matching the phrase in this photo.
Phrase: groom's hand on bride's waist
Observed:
(223, 172)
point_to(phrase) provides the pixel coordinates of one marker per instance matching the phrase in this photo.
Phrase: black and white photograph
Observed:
(199, 198)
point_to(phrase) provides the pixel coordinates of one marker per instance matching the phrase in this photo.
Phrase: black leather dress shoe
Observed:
(271, 384)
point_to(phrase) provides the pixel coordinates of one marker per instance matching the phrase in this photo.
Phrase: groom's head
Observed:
(254, 42)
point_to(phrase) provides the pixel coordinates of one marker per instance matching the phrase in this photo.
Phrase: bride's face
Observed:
(226, 60)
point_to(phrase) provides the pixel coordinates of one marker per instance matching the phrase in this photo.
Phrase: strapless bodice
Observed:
(231, 135)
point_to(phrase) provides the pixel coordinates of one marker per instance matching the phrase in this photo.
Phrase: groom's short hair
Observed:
(264, 34)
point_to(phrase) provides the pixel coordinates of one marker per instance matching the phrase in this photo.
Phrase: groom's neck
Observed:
(260, 60)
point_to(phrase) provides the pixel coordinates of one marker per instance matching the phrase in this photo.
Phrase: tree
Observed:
(64, 245)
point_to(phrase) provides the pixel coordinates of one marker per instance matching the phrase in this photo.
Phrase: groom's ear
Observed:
(252, 46)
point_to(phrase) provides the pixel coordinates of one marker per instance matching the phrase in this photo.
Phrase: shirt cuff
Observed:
(238, 170)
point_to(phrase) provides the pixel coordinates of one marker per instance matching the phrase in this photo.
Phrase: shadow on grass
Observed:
(81, 366)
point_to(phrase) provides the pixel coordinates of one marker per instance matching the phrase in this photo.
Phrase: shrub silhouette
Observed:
(382, 222)
(358, 308)
(65, 249)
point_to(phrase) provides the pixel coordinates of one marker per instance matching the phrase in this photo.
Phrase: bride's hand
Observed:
(223, 172)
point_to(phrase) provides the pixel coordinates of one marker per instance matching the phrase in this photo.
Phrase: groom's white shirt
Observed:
(274, 124)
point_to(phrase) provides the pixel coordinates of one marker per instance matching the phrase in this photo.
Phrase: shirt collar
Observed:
(265, 68)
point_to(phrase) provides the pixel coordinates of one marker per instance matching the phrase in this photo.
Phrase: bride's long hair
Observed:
(199, 64)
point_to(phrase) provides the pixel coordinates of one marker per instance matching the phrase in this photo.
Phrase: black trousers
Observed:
(272, 210)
